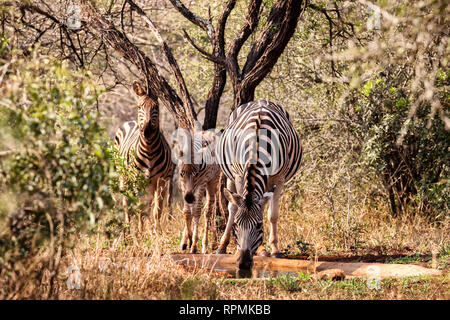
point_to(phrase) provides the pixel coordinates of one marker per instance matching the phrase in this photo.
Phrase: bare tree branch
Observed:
(206, 55)
(264, 52)
(170, 59)
(217, 39)
(247, 29)
(36, 9)
(277, 32)
(220, 72)
(159, 86)
(195, 19)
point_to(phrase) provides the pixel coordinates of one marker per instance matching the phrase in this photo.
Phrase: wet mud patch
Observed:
(267, 267)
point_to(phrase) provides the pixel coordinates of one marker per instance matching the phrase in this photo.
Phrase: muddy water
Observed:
(255, 273)
(266, 267)
(228, 268)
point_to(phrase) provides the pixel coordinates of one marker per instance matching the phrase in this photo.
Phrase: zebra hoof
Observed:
(221, 251)
(183, 247)
(263, 253)
(277, 255)
(193, 250)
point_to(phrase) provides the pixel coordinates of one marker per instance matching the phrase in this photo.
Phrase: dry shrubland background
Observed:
(369, 98)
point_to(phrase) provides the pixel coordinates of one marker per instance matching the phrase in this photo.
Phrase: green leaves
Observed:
(62, 170)
(404, 164)
(134, 183)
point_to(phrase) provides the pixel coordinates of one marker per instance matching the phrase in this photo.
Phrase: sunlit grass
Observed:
(138, 266)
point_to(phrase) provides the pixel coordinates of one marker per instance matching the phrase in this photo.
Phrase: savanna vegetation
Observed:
(366, 85)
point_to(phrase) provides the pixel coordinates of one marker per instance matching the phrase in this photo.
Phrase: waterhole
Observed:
(255, 273)
(266, 267)
(225, 265)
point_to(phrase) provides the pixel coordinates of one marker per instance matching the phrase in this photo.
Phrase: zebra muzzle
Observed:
(189, 197)
(244, 260)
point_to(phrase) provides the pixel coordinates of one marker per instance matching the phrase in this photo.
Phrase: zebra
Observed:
(199, 177)
(152, 154)
(258, 152)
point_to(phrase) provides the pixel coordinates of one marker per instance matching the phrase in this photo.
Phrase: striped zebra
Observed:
(199, 177)
(258, 152)
(152, 154)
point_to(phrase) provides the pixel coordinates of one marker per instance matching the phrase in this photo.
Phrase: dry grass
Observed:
(136, 265)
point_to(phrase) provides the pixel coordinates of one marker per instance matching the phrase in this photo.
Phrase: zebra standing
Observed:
(152, 153)
(199, 174)
(258, 152)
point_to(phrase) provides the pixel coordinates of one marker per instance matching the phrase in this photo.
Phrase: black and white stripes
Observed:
(152, 153)
(258, 152)
(199, 176)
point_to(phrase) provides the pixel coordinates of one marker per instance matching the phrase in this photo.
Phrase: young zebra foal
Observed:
(258, 152)
(152, 153)
(199, 175)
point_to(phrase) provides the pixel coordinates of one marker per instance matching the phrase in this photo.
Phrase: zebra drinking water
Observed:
(258, 152)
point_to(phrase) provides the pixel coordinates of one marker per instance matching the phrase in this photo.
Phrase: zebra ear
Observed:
(137, 88)
(180, 155)
(234, 198)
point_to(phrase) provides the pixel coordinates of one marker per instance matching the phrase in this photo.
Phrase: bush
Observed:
(134, 183)
(57, 169)
(409, 153)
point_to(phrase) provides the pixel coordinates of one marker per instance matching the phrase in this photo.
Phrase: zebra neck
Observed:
(151, 132)
(151, 129)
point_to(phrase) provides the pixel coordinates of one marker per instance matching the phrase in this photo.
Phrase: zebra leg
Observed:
(210, 216)
(187, 234)
(215, 185)
(157, 205)
(261, 251)
(163, 190)
(197, 212)
(145, 217)
(225, 240)
(169, 196)
(206, 224)
(273, 213)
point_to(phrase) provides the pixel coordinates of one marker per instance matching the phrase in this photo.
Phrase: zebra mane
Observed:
(152, 104)
(252, 165)
(145, 98)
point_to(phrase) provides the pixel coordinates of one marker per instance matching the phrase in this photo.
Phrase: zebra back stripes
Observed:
(259, 142)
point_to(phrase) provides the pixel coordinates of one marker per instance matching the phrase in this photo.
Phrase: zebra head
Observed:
(248, 225)
(188, 172)
(148, 110)
(194, 157)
